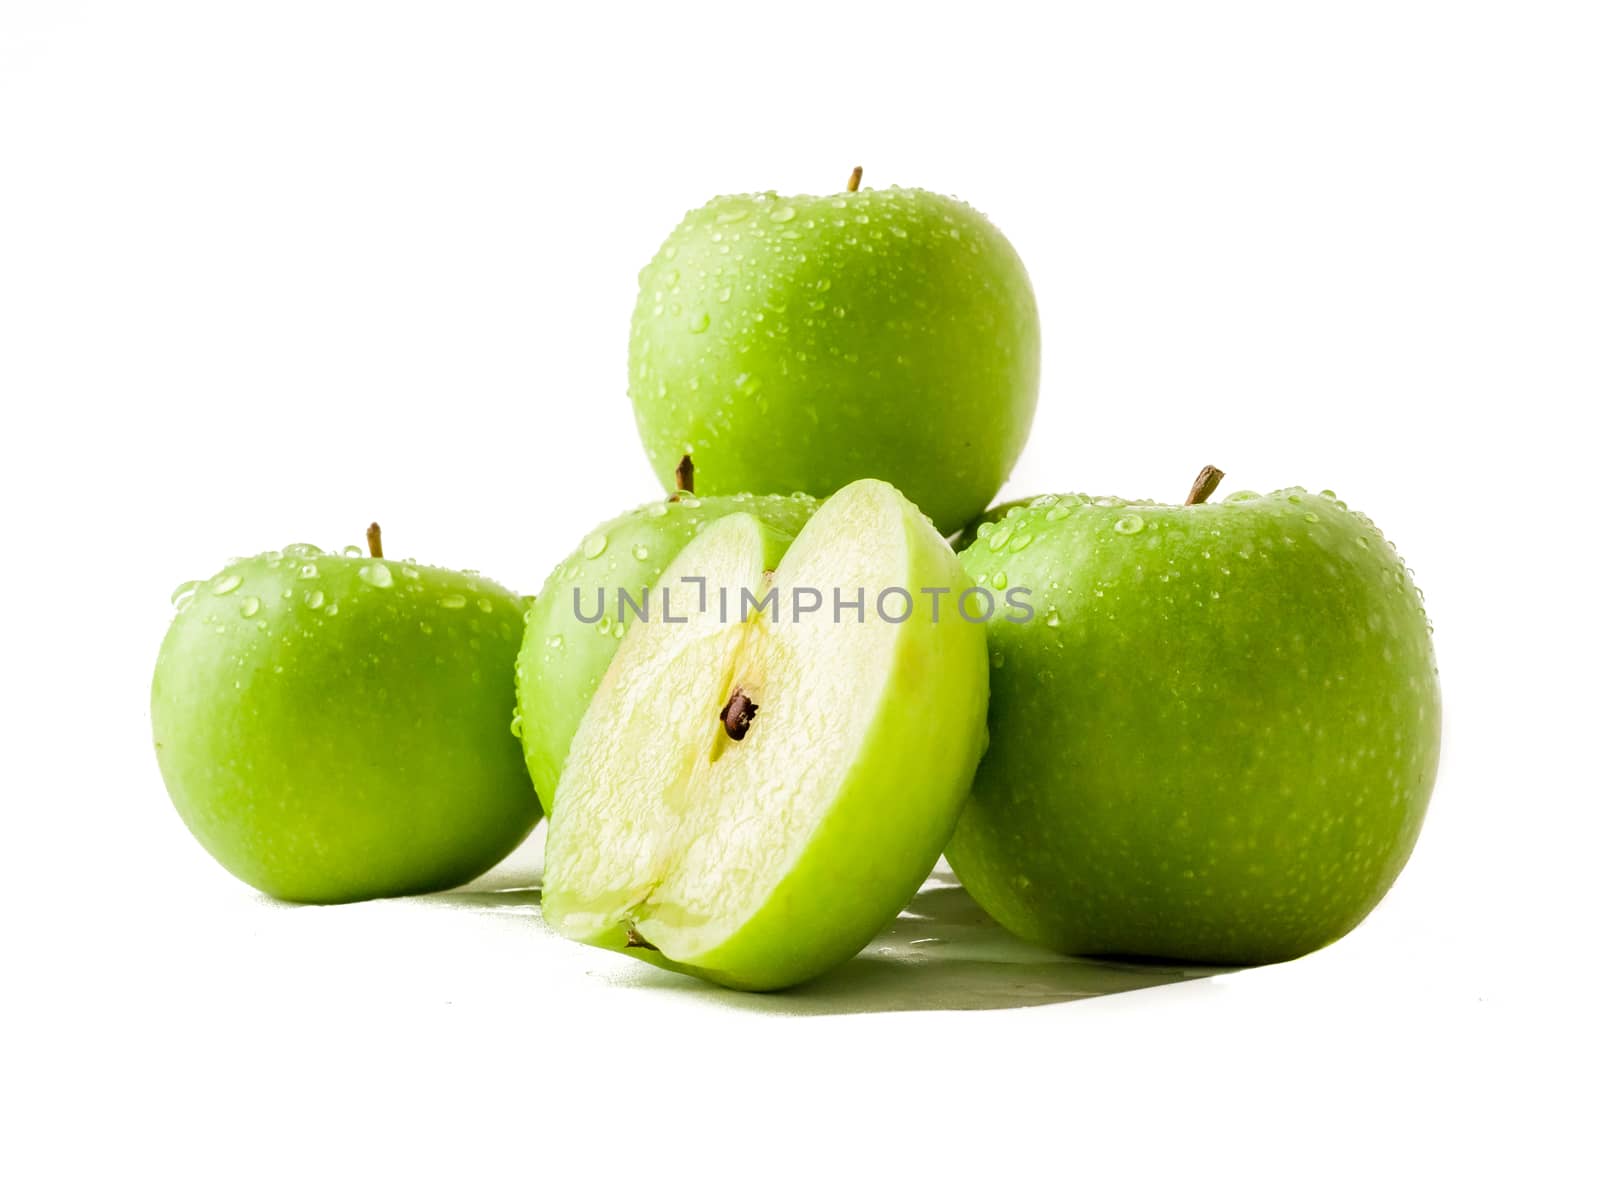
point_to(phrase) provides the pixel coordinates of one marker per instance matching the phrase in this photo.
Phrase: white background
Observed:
(271, 271)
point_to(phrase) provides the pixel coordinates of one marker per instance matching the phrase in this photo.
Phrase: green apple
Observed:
(333, 727)
(794, 343)
(1216, 737)
(752, 794)
(577, 623)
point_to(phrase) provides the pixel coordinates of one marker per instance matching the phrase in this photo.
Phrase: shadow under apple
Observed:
(942, 953)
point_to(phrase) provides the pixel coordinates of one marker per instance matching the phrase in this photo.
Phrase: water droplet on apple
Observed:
(594, 545)
(999, 537)
(658, 509)
(453, 600)
(315, 599)
(484, 605)
(688, 502)
(225, 585)
(1312, 518)
(700, 322)
(251, 606)
(353, 552)
(1240, 497)
(1020, 542)
(183, 594)
(553, 641)
(377, 574)
(308, 571)
(641, 552)
(1044, 501)
(301, 550)
(782, 215)
(1000, 579)
(1132, 523)
(516, 725)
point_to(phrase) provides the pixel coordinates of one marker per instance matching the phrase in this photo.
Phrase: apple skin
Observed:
(798, 343)
(344, 735)
(1216, 739)
(562, 659)
(963, 538)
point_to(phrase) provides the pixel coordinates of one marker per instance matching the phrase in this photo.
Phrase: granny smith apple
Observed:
(755, 789)
(1216, 737)
(334, 727)
(794, 343)
(583, 609)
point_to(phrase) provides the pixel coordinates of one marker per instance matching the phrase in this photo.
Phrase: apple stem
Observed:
(636, 940)
(737, 714)
(1204, 484)
(855, 180)
(684, 476)
(375, 540)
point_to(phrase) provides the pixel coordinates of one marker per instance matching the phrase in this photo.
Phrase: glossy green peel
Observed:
(1216, 739)
(762, 859)
(796, 343)
(335, 728)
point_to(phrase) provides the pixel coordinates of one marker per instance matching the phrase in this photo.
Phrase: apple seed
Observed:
(737, 714)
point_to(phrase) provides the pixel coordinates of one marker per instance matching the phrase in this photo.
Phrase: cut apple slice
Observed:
(753, 792)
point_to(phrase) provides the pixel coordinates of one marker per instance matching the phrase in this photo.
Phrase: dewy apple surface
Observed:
(801, 342)
(333, 727)
(1218, 741)
(761, 854)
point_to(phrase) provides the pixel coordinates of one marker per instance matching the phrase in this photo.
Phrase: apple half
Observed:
(753, 793)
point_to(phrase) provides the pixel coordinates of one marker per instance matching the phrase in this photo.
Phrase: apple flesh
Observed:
(1216, 738)
(749, 800)
(565, 653)
(795, 343)
(335, 728)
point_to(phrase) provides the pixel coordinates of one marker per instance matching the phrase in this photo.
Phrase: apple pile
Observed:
(759, 708)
